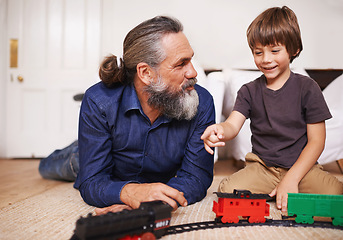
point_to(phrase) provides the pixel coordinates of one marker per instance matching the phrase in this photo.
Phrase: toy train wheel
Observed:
(304, 219)
(148, 236)
(218, 219)
(231, 219)
(338, 221)
(256, 219)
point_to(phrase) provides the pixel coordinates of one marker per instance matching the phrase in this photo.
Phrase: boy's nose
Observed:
(267, 58)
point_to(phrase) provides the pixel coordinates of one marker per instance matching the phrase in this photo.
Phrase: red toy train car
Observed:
(241, 203)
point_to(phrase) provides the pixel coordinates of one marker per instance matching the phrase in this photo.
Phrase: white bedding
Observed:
(234, 79)
(214, 83)
(334, 127)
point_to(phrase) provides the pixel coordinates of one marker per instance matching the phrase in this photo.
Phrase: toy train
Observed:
(242, 203)
(306, 206)
(152, 219)
(149, 221)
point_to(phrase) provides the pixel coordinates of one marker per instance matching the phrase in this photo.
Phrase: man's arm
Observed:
(95, 181)
(132, 195)
(196, 171)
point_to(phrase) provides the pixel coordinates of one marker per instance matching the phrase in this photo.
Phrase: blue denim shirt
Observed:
(118, 145)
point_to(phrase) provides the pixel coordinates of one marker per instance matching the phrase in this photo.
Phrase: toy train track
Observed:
(176, 229)
(238, 209)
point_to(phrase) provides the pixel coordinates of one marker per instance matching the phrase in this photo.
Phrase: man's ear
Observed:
(145, 73)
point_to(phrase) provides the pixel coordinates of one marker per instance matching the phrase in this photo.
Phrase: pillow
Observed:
(334, 127)
(234, 79)
(214, 83)
(201, 77)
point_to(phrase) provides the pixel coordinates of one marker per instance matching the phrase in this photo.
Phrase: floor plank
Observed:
(20, 179)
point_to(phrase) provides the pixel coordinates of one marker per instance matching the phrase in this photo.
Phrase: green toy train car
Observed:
(306, 206)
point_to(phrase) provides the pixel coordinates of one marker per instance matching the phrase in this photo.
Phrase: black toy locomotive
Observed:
(149, 221)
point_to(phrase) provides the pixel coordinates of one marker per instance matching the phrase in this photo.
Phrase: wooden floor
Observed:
(20, 179)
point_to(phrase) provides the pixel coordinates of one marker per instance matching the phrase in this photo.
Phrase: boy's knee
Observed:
(335, 189)
(318, 181)
(225, 186)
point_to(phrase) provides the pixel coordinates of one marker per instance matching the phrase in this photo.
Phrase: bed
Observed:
(224, 84)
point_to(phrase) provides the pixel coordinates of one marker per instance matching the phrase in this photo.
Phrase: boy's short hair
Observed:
(276, 26)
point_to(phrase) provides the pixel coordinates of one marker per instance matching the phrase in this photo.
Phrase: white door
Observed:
(58, 57)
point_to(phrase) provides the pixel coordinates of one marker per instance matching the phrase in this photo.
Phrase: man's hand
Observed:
(133, 194)
(113, 208)
(212, 137)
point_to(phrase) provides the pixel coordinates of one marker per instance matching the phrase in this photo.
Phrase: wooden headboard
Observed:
(322, 76)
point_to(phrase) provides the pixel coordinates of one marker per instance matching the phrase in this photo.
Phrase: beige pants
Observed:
(258, 178)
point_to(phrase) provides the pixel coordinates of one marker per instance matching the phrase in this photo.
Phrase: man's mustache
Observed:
(190, 83)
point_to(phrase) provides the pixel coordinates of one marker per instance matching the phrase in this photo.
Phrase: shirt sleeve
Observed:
(242, 102)
(95, 181)
(196, 173)
(314, 104)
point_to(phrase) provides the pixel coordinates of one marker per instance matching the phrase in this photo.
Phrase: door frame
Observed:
(39, 114)
(3, 74)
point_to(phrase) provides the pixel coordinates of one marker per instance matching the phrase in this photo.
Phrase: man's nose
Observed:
(190, 72)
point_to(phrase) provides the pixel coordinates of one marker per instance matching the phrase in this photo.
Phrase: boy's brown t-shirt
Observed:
(279, 118)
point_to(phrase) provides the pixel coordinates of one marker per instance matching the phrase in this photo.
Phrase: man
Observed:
(140, 127)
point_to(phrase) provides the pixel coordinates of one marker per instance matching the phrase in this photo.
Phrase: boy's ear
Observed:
(144, 72)
(296, 54)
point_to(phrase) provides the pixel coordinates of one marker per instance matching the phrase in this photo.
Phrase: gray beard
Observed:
(178, 105)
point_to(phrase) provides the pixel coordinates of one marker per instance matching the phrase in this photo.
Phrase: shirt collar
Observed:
(130, 99)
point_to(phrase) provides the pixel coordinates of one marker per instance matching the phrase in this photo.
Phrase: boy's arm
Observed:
(217, 134)
(233, 125)
(315, 145)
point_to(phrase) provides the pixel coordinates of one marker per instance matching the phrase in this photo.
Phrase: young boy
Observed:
(287, 113)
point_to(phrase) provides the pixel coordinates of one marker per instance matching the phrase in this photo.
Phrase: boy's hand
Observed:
(213, 137)
(281, 191)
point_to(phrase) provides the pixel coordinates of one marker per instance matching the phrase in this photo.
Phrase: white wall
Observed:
(216, 28)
